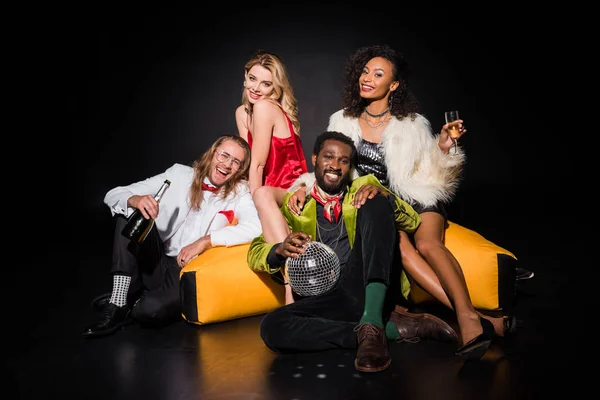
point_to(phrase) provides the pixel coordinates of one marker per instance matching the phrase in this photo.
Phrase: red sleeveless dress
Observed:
(286, 160)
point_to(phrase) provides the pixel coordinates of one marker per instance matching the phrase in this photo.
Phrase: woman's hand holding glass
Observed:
(451, 131)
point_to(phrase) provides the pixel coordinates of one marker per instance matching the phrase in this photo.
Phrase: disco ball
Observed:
(316, 271)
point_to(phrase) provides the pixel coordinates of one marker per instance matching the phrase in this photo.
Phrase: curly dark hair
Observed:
(403, 104)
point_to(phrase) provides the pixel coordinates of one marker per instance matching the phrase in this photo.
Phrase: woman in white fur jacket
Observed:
(396, 144)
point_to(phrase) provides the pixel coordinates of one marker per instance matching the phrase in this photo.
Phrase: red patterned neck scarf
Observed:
(331, 204)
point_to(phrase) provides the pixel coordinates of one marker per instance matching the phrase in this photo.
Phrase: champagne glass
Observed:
(451, 117)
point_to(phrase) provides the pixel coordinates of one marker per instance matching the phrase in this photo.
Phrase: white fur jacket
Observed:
(418, 171)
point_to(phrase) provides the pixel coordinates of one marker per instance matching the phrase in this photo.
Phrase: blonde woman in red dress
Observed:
(268, 120)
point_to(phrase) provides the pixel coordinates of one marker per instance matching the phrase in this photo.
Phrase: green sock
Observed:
(374, 298)
(391, 331)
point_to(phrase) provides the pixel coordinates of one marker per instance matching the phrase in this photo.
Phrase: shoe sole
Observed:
(525, 277)
(476, 352)
(91, 335)
(404, 311)
(384, 367)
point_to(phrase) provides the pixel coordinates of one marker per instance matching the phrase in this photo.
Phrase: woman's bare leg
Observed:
(267, 200)
(425, 277)
(435, 269)
(275, 229)
(421, 272)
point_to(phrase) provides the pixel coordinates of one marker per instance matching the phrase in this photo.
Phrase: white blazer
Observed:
(174, 209)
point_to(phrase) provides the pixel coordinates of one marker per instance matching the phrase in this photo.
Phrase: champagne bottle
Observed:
(138, 227)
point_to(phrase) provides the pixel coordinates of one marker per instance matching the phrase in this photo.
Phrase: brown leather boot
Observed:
(413, 326)
(372, 354)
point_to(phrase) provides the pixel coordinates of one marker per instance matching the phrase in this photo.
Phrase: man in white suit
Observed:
(206, 205)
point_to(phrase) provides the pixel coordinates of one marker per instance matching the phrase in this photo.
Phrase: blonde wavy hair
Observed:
(283, 92)
(202, 169)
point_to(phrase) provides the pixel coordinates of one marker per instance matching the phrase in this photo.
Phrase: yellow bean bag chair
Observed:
(488, 268)
(218, 285)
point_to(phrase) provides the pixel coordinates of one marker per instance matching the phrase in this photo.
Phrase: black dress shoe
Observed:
(113, 318)
(412, 326)
(372, 354)
(476, 347)
(99, 302)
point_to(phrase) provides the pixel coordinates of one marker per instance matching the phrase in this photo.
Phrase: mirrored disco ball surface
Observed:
(314, 272)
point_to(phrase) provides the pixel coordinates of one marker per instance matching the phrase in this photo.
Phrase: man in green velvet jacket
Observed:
(360, 224)
(406, 219)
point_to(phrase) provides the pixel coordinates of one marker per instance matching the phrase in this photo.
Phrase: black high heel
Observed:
(475, 348)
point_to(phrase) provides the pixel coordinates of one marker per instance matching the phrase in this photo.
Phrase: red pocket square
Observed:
(229, 214)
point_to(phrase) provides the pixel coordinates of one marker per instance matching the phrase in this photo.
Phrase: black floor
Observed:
(48, 359)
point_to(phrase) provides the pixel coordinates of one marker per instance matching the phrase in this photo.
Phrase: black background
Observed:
(111, 94)
(155, 87)
(151, 87)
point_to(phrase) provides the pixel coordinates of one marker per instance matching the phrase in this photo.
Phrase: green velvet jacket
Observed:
(406, 219)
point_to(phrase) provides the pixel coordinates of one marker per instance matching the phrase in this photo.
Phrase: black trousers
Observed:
(154, 288)
(327, 321)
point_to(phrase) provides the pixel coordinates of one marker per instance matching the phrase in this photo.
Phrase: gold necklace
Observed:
(337, 241)
(379, 125)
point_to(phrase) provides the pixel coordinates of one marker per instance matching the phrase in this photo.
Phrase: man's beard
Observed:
(331, 189)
